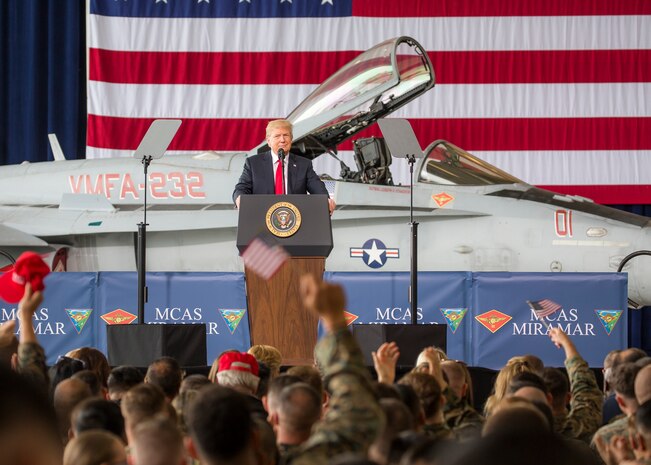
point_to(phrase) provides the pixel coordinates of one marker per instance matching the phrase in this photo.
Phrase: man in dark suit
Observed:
(262, 175)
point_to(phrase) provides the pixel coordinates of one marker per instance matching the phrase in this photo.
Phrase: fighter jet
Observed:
(83, 214)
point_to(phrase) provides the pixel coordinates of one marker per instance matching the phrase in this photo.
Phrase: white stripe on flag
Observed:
(548, 168)
(444, 101)
(361, 33)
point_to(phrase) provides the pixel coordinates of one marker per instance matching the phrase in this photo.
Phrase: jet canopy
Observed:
(370, 87)
(447, 164)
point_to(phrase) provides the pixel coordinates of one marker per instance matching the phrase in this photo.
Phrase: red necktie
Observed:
(279, 178)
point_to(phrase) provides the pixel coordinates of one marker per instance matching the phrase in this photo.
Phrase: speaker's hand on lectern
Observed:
(237, 202)
(326, 300)
(331, 206)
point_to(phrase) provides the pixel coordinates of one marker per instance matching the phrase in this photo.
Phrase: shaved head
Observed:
(643, 385)
(532, 394)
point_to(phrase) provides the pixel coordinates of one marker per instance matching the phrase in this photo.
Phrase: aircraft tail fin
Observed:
(56, 147)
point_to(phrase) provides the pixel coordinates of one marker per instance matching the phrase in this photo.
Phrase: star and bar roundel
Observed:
(374, 253)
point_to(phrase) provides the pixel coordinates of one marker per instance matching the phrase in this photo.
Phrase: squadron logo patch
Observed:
(350, 318)
(79, 317)
(442, 199)
(118, 317)
(283, 219)
(454, 317)
(493, 320)
(608, 319)
(232, 317)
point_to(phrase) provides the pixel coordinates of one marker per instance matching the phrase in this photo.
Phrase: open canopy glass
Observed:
(370, 87)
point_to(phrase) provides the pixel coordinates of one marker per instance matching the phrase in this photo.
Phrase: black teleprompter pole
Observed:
(142, 250)
(413, 270)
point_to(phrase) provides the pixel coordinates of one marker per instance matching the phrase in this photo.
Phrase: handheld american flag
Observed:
(544, 308)
(263, 259)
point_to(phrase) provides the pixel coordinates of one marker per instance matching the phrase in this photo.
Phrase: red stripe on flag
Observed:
(215, 67)
(470, 67)
(608, 194)
(531, 133)
(194, 134)
(470, 134)
(542, 66)
(407, 8)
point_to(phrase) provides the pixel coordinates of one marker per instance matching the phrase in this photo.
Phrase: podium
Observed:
(301, 224)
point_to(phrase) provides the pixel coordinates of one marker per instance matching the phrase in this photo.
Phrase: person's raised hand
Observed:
(385, 360)
(325, 299)
(560, 339)
(27, 306)
(30, 302)
(432, 358)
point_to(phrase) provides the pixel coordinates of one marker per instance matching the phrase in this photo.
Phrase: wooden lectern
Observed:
(301, 224)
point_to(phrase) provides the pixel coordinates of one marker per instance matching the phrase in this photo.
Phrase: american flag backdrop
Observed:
(556, 92)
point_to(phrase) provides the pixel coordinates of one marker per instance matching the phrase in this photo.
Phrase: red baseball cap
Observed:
(238, 361)
(29, 268)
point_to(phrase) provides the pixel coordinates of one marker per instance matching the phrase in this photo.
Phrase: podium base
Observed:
(139, 345)
(411, 339)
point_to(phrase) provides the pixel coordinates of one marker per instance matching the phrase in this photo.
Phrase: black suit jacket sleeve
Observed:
(245, 184)
(313, 184)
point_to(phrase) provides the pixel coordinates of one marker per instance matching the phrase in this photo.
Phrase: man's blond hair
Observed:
(279, 123)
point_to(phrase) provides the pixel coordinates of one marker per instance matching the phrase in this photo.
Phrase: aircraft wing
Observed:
(14, 238)
(357, 201)
(47, 222)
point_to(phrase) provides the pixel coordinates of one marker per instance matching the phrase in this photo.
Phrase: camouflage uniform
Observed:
(464, 421)
(438, 431)
(286, 450)
(31, 364)
(616, 428)
(584, 417)
(354, 418)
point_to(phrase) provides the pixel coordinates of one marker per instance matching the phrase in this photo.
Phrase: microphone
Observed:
(281, 158)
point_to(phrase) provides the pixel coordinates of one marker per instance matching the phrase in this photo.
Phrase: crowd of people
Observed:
(248, 410)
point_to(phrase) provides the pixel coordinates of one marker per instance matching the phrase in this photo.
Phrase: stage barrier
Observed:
(487, 315)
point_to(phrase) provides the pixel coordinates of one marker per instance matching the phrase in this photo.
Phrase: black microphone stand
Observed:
(281, 160)
(142, 241)
(413, 271)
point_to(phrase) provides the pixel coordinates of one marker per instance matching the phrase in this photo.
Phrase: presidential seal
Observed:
(283, 219)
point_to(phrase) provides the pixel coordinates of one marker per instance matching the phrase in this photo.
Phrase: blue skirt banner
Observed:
(78, 306)
(593, 312)
(488, 317)
(487, 314)
(382, 298)
(67, 318)
(216, 299)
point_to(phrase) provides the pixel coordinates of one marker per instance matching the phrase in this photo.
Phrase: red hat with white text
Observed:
(29, 268)
(238, 361)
